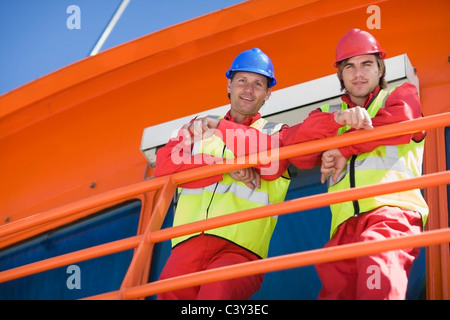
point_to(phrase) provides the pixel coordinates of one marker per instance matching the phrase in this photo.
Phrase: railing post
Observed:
(143, 253)
(437, 256)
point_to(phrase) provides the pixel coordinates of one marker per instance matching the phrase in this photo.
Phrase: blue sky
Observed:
(35, 38)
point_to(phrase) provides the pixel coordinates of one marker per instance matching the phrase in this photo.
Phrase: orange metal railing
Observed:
(132, 288)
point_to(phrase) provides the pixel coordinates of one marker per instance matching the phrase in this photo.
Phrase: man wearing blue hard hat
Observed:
(254, 60)
(209, 139)
(216, 139)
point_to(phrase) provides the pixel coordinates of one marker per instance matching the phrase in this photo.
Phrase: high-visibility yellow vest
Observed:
(229, 196)
(383, 164)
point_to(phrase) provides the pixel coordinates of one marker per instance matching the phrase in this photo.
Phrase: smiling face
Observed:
(361, 75)
(247, 91)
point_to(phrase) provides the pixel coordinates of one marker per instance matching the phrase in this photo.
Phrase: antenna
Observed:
(109, 27)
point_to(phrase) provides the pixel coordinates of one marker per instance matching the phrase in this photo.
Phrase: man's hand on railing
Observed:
(356, 117)
(333, 162)
(199, 129)
(249, 176)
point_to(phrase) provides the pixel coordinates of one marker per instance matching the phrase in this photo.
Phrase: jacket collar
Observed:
(247, 122)
(351, 104)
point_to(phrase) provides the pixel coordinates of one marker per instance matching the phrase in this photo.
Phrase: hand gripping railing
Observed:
(131, 287)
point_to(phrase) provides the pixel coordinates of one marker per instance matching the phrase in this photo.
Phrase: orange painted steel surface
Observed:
(69, 141)
(437, 257)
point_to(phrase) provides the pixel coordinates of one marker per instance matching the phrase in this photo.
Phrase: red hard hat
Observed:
(357, 42)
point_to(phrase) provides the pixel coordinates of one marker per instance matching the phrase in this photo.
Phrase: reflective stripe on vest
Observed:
(241, 191)
(383, 164)
(229, 196)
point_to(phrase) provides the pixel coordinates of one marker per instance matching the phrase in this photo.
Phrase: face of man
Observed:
(248, 91)
(361, 75)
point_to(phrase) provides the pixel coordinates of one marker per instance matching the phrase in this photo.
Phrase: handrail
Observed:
(300, 204)
(293, 260)
(289, 206)
(425, 123)
(151, 236)
(309, 147)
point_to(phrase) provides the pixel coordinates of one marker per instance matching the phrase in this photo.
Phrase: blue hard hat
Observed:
(253, 60)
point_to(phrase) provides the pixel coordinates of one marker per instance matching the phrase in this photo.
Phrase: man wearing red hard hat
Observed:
(384, 275)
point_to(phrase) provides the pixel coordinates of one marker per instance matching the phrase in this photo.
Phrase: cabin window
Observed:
(81, 279)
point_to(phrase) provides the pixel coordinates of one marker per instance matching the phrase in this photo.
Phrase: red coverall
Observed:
(355, 278)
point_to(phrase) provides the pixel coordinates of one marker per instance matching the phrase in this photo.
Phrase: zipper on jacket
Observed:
(352, 165)
(353, 184)
(215, 188)
(210, 200)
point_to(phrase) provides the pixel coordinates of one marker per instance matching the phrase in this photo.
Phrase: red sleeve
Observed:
(401, 105)
(244, 140)
(317, 125)
(176, 156)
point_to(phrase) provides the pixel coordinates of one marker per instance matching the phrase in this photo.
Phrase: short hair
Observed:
(381, 67)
